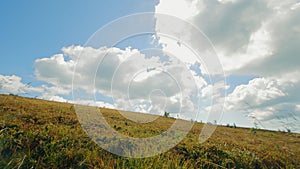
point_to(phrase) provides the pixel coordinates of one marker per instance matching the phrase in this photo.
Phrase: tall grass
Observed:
(42, 134)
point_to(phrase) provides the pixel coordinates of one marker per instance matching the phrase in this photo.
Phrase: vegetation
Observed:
(166, 114)
(42, 134)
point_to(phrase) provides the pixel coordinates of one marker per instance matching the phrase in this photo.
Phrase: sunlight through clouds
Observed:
(252, 38)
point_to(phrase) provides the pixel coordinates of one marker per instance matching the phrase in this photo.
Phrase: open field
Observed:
(42, 134)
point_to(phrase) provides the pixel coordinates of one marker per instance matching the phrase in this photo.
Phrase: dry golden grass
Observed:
(43, 134)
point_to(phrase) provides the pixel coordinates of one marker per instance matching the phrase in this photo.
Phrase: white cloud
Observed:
(227, 1)
(246, 43)
(55, 70)
(265, 99)
(257, 49)
(14, 85)
(295, 6)
(94, 103)
(298, 107)
(283, 43)
(258, 37)
(183, 8)
(11, 84)
(231, 25)
(256, 92)
(127, 76)
(53, 98)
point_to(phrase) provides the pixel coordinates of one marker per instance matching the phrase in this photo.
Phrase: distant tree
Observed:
(253, 131)
(215, 122)
(166, 114)
(288, 129)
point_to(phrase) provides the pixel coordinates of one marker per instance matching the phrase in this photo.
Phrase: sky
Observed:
(252, 45)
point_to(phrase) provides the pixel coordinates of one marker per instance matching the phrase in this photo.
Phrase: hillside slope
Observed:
(43, 134)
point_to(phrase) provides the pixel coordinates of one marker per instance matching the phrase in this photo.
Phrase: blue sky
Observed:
(35, 29)
(40, 41)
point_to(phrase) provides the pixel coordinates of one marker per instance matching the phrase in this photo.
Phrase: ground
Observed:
(42, 134)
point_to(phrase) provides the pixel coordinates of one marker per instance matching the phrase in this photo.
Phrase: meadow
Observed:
(43, 134)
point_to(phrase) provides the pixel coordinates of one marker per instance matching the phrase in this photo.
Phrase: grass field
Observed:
(42, 134)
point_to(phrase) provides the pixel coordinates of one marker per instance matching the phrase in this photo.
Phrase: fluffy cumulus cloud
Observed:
(268, 100)
(124, 79)
(14, 85)
(258, 37)
(247, 34)
(54, 70)
(256, 92)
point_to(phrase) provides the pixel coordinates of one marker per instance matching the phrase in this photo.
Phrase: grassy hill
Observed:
(42, 134)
